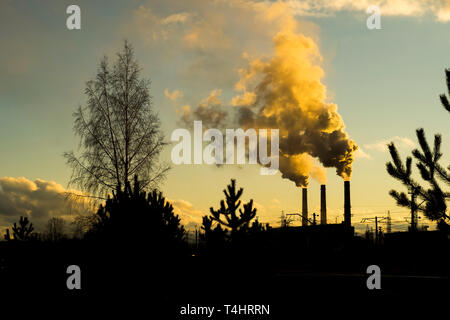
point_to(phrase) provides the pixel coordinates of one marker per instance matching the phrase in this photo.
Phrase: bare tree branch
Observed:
(119, 131)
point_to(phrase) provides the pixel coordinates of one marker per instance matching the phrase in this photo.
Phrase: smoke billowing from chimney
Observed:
(286, 92)
(304, 206)
(299, 168)
(323, 205)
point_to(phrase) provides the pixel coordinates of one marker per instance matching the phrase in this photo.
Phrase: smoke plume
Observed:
(210, 111)
(286, 92)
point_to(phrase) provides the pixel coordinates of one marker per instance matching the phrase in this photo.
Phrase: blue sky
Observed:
(385, 82)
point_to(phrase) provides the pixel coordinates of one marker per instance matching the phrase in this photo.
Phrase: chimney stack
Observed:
(323, 205)
(347, 210)
(304, 206)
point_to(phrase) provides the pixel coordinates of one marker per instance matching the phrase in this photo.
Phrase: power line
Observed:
(376, 220)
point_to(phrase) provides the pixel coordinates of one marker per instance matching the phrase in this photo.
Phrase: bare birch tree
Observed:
(119, 132)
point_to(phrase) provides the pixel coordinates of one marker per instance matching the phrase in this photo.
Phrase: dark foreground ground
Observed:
(294, 285)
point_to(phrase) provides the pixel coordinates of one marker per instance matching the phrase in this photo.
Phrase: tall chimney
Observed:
(323, 205)
(347, 210)
(304, 206)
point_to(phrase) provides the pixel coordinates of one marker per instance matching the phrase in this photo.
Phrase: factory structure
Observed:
(308, 221)
(317, 234)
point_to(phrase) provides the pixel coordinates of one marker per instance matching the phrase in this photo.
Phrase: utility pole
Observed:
(376, 229)
(389, 223)
(314, 219)
(282, 219)
(380, 234)
(376, 219)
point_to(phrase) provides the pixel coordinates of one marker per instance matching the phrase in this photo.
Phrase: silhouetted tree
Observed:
(433, 197)
(257, 227)
(82, 224)
(229, 209)
(119, 132)
(133, 215)
(215, 238)
(369, 234)
(55, 229)
(21, 232)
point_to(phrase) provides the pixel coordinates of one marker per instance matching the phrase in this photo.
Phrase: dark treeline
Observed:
(136, 243)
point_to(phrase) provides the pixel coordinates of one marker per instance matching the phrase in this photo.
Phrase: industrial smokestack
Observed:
(304, 207)
(347, 210)
(323, 205)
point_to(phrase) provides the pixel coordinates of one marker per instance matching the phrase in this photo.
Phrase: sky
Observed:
(385, 83)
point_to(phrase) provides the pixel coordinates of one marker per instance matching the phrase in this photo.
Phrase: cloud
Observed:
(198, 30)
(155, 27)
(361, 154)
(41, 200)
(260, 209)
(190, 216)
(208, 37)
(410, 8)
(174, 95)
(275, 202)
(205, 35)
(400, 142)
(38, 200)
(176, 18)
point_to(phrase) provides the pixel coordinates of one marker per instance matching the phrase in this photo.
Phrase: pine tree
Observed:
(227, 216)
(432, 196)
(21, 232)
(133, 215)
(215, 238)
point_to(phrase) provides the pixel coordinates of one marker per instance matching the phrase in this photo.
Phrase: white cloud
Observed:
(38, 200)
(275, 201)
(189, 215)
(260, 210)
(361, 154)
(412, 8)
(176, 18)
(275, 204)
(400, 142)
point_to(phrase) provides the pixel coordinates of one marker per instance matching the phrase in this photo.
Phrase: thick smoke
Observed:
(285, 92)
(300, 167)
(209, 111)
